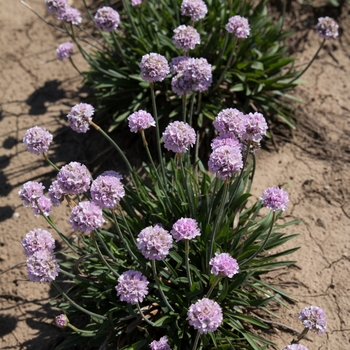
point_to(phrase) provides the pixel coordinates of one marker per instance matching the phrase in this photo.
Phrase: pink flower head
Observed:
(132, 287)
(186, 37)
(313, 318)
(140, 120)
(61, 321)
(178, 136)
(327, 28)
(239, 26)
(37, 140)
(80, 116)
(176, 62)
(136, 2)
(255, 127)
(230, 121)
(185, 228)
(154, 242)
(225, 161)
(154, 67)
(275, 198)
(205, 315)
(161, 344)
(86, 217)
(36, 240)
(42, 206)
(196, 9)
(42, 266)
(70, 15)
(224, 140)
(295, 347)
(56, 193)
(55, 6)
(64, 50)
(30, 192)
(107, 19)
(223, 264)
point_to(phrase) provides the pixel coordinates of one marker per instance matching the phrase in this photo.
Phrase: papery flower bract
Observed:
(313, 318)
(37, 140)
(42, 266)
(154, 242)
(55, 193)
(55, 6)
(186, 37)
(37, 239)
(74, 178)
(223, 264)
(275, 198)
(295, 347)
(225, 161)
(86, 216)
(230, 121)
(185, 228)
(178, 136)
(43, 207)
(30, 192)
(132, 287)
(107, 191)
(140, 120)
(154, 67)
(64, 50)
(205, 315)
(61, 321)
(196, 9)
(225, 140)
(327, 28)
(161, 344)
(70, 15)
(239, 26)
(107, 19)
(79, 117)
(255, 127)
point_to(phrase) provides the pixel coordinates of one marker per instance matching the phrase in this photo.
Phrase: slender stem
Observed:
(184, 107)
(49, 161)
(216, 181)
(185, 183)
(300, 336)
(127, 226)
(222, 50)
(158, 285)
(83, 332)
(216, 281)
(193, 99)
(187, 261)
(74, 66)
(144, 317)
(196, 341)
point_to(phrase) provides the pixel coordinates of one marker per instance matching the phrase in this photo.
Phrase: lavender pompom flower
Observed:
(55, 6)
(186, 37)
(230, 121)
(175, 64)
(136, 2)
(255, 127)
(37, 239)
(154, 67)
(225, 161)
(79, 117)
(239, 26)
(313, 318)
(74, 178)
(196, 9)
(37, 140)
(42, 266)
(178, 136)
(42, 206)
(140, 120)
(86, 216)
(132, 287)
(327, 28)
(224, 140)
(55, 193)
(161, 344)
(61, 321)
(275, 198)
(64, 50)
(31, 192)
(107, 191)
(205, 315)
(154, 242)
(295, 347)
(185, 228)
(223, 264)
(70, 15)
(107, 19)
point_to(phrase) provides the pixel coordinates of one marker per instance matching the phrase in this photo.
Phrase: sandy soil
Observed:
(312, 162)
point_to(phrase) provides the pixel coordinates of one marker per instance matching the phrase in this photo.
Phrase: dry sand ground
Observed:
(36, 89)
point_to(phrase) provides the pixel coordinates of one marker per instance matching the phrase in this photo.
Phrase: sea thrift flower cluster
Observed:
(132, 287)
(205, 315)
(61, 321)
(275, 198)
(70, 15)
(313, 318)
(36, 240)
(107, 19)
(186, 37)
(154, 67)
(79, 117)
(255, 127)
(55, 6)
(225, 140)
(223, 264)
(161, 344)
(196, 9)
(37, 140)
(56, 193)
(185, 228)
(295, 347)
(154, 242)
(42, 206)
(64, 50)
(239, 26)
(140, 120)
(136, 2)
(327, 28)
(178, 136)
(30, 192)
(86, 217)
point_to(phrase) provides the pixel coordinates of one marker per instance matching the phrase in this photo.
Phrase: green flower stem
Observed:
(49, 161)
(127, 226)
(216, 181)
(81, 331)
(74, 66)
(184, 107)
(251, 177)
(196, 341)
(300, 336)
(216, 281)
(92, 314)
(186, 184)
(263, 244)
(193, 99)
(158, 285)
(144, 317)
(187, 261)
(227, 34)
